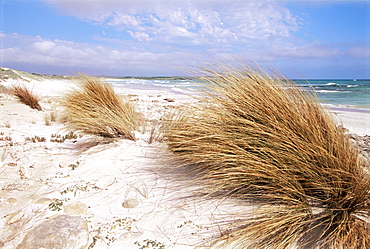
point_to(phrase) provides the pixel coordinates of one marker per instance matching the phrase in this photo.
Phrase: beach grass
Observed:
(94, 108)
(26, 96)
(259, 139)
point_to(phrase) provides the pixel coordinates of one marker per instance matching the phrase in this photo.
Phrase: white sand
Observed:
(357, 121)
(33, 175)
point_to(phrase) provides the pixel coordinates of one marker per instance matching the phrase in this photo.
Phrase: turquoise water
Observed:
(353, 93)
(344, 93)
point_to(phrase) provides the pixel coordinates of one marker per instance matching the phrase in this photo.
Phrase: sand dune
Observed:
(111, 185)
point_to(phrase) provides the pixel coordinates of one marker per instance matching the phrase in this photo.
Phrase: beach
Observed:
(113, 186)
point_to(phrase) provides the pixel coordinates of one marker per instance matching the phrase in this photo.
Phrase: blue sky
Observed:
(302, 39)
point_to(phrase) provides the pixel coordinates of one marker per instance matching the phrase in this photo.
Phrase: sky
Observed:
(302, 39)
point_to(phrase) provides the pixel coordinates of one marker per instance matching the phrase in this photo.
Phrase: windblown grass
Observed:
(260, 139)
(94, 108)
(26, 96)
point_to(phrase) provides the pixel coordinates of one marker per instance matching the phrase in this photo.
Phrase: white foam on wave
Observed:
(180, 90)
(327, 91)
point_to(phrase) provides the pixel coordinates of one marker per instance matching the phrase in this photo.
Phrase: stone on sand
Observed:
(130, 203)
(61, 232)
(75, 208)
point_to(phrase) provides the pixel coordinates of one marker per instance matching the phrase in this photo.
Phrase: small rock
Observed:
(12, 201)
(3, 193)
(75, 208)
(43, 201)
(130, 203)
(2, 244)
(61, 232)
(169, 100)
(14, 217)
(130, 235)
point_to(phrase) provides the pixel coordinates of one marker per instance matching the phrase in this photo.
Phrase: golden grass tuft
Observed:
(26, 96)
(94, 108)
(260, 139)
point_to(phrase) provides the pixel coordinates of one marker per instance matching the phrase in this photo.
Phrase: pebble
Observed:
(12, 201)
(130, 203)
(3, 193)
(14, 217)
(75, 208)
(63, 164)
(43, 201)
(130, 235)
(63, 231)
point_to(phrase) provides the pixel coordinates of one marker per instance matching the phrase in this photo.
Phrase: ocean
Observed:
(343, 93)
(334, 92)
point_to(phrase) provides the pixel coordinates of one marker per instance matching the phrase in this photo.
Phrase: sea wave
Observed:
(327, 91)
(348, 108)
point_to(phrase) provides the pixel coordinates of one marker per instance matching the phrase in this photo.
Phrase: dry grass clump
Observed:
(94, 108)
(26, 96)
(262, 140)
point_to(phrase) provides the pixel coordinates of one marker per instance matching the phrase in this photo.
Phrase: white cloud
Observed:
(308, 52)
(360, 51)
(93, 59)
(153, 33)
(202, 22)
(124, 20)
(44, 46)
(140, 36)
(70, 57)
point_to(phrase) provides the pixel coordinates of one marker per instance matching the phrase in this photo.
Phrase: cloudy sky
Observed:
(302, 39)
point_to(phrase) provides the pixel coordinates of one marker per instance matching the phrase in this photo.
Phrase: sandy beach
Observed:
(112, 186)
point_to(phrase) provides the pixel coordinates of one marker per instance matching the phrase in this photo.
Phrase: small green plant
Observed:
(36, 139)
(6, 138)
(58, 175)
(189, 223)
(109, 231)
(73, 166)
(150, 244)
(80, 186)
(57, 138)
(57, 204)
